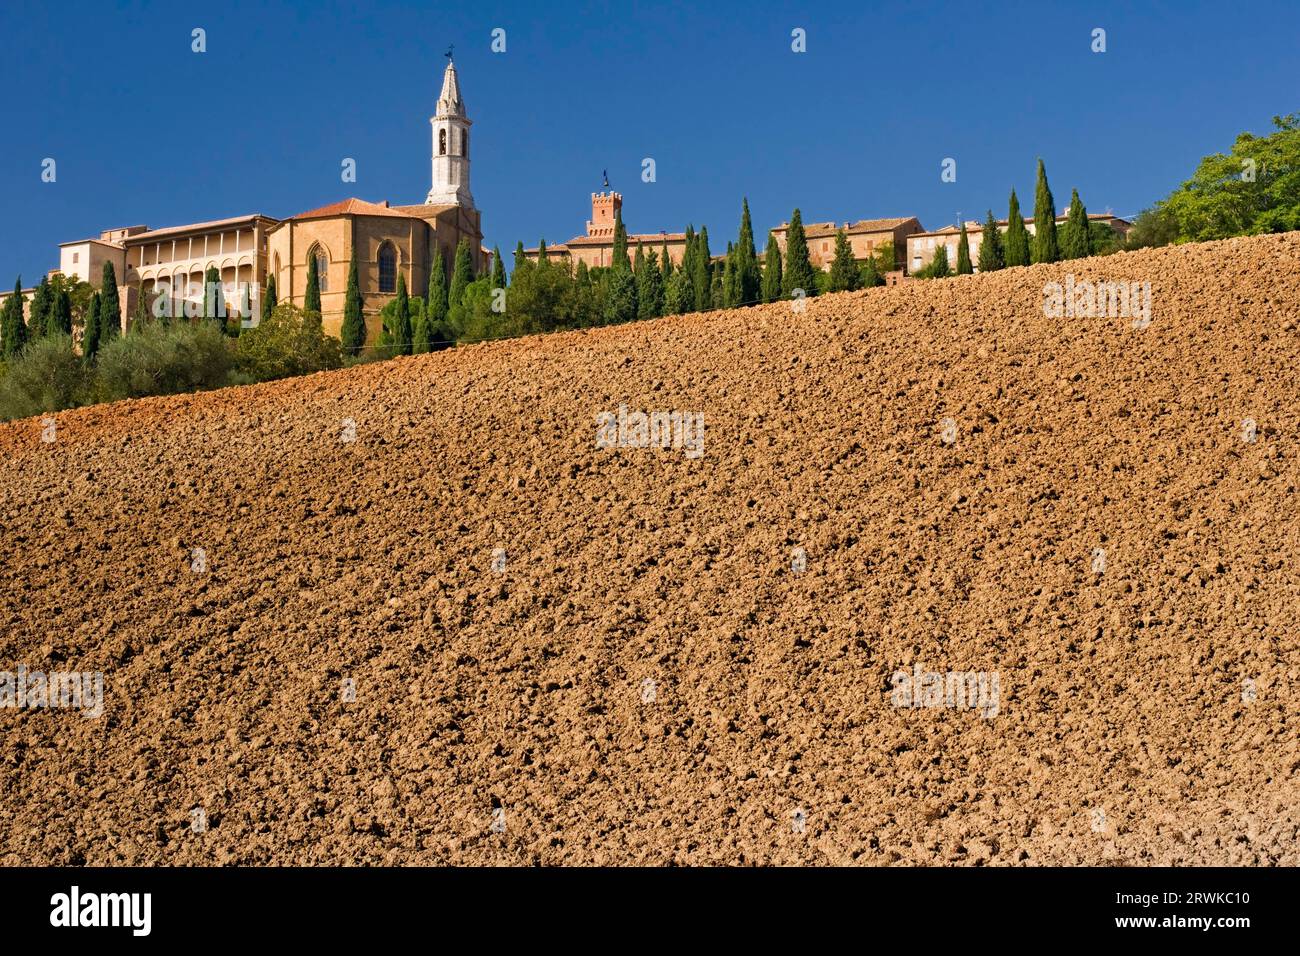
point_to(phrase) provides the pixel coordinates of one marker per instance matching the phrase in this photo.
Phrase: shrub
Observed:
(47, 376)
(289, 342)
(162, 360)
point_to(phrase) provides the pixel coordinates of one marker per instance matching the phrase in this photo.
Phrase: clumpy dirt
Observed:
(355, 677)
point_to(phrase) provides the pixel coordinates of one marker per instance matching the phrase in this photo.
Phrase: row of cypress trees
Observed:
(1016, 247)
(51, 314)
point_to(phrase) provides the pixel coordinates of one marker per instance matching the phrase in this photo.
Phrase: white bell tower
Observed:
(450, 146)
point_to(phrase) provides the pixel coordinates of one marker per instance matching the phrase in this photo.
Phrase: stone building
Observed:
(921, 245)
(596, 248)
(246, 250)
(865, 237)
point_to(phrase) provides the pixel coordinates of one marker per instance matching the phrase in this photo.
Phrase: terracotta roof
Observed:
(643, 238)
(192, 227)
(352, 207)
(96, 239)
(421, 210)
(820, 229)
(561, 249)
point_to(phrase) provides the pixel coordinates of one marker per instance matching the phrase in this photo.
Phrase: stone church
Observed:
(388, 239)
(247, 250)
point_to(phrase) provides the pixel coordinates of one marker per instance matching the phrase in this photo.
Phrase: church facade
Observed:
(169, 264)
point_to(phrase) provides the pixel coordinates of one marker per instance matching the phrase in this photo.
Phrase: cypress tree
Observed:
(521, 262)
(799, 272)
(679, 297)
(844, 269)
(498, 269)
(620, 299)
(649, 287)
(402, 319)
(1074, 236)
(420, 340)
(311, 302)
(270, 298)
(141, 315)
(749, 278)
(213, 301)
(90, 338)
(1046, 248)
(619, 258)
(702, 279)
(729, 298)
(352, 333)
(871, 274)
(60, 321)
(991, 257)
(110, 306)
(938, 268)
(963, 253)
(461, 275)
(665, 265)
(687, 265)
(771, 270)
(543, 257)
(42, 306)
(435, 300)
(13, 330)
(1016, 241)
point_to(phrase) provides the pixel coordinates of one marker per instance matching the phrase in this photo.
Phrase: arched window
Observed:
(442, 142)
(322, 267)
(464, 143)
(387, 268)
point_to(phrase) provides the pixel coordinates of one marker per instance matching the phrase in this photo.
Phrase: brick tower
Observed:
(604, 210)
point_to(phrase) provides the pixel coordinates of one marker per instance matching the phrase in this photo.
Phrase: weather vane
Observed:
(605, 174)
(450, 47)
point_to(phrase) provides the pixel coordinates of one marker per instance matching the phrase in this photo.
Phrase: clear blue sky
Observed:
(146, 131)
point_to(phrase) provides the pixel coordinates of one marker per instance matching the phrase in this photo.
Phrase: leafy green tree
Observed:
(1253, 189)
(110, 306)
(991, 255)
(963, 253)
(798, 272)
(1016, 240)
(1046, 248)
(1102, 239)
(771, 270)
(90, 337)
(311, 302)
(843, 276)
(289, 342)
(462, 274)
(270, 299)
(498, 269)
(352, 333)
(1074, 235)
(13, 329)
(649, 287)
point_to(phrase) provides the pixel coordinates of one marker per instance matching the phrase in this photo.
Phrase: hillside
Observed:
(1123, 688)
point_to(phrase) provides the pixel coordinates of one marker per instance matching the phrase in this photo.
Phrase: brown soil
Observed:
(372, 561)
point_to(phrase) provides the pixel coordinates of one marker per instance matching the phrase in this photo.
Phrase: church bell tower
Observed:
(450, 146)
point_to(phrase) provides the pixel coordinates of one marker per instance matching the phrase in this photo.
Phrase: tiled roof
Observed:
(820, 229)
(973, 225)
(153, 234)
(352, 207)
